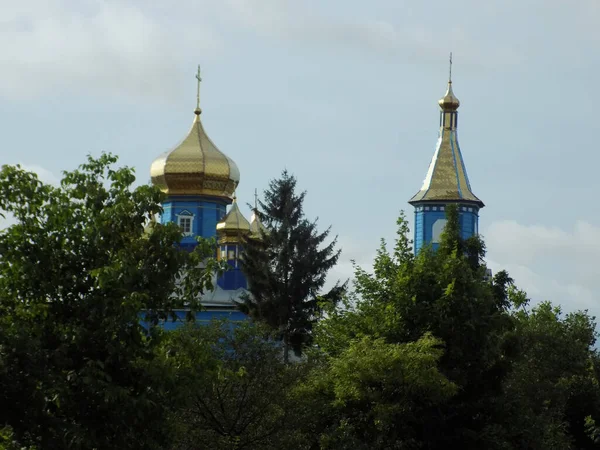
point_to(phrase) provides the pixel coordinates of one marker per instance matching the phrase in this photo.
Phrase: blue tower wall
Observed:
(234, 278)
(426, 216)
(206, 212)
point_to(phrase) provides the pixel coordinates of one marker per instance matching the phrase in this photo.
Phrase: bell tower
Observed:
(446, 182)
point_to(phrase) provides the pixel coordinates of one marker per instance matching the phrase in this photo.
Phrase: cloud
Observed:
(44, 175)
(92, 45)
(359, 252)
(137, 49)
(411, 38)
(550, 263)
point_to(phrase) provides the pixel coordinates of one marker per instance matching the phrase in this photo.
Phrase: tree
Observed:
(443, 294)
(378, 395)
(77, 369)
(552, 394)
(287, 267)
(233, 391)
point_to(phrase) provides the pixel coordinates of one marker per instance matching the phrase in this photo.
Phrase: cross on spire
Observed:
(255, 199)
(199, 78)
(450, 71)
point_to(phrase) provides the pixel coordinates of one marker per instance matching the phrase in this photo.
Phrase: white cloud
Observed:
(107, 46)
(548, 262)
(133, 49)
(410, 39)
(360, 253)
(44, 175)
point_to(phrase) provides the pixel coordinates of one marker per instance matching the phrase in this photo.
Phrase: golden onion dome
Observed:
(449, 102)
(234, 223)
(196, 166)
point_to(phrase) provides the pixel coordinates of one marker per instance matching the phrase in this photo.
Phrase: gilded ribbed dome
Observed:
(449, 102)
(196, 167)
(233, 225)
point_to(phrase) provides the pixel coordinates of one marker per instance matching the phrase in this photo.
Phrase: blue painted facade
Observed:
(430, 219)
(203, 212)
(202, 318)
(234, 278)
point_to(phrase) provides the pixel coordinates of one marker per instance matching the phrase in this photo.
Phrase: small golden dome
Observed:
(449, 102)
(196, 167)
(234, 221)
(257, 229)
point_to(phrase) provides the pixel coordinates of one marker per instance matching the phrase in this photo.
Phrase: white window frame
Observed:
(186, 215)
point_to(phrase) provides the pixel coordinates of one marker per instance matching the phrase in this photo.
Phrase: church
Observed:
(200, 182)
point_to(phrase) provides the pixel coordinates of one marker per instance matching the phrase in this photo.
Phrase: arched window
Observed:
(438, 227)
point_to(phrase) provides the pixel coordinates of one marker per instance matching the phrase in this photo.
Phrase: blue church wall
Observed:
(233, 279)
(202, 318)
(430, 219)
(204, 211)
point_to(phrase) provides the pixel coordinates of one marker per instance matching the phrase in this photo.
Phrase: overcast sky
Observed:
(344, 95)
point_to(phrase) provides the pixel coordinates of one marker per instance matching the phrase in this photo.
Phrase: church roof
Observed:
(234, 221)
(196, 166)
(257, 229)
(447, 179)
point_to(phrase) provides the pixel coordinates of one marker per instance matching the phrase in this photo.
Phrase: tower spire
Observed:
(199, 78)
(446, 181)
(255, 199)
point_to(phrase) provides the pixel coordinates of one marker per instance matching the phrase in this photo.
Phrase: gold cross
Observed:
(199, 78)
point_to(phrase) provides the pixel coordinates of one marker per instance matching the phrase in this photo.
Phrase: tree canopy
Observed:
(508, 380)
(426, 351)
(77, 369)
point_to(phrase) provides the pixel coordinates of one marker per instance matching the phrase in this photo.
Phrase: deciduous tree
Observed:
(233, 390)
(77, 370)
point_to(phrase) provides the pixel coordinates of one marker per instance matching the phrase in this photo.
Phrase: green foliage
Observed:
(233, 388)
(379, 393)
(514, 378)
(443, 294)
(287, 267)
(426, 353)
(552, 392)
(76, 269)
(8, 442)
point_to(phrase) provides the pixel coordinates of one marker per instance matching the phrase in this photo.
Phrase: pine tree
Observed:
(287, 265)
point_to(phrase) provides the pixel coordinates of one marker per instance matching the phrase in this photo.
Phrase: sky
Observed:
(343, 94)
